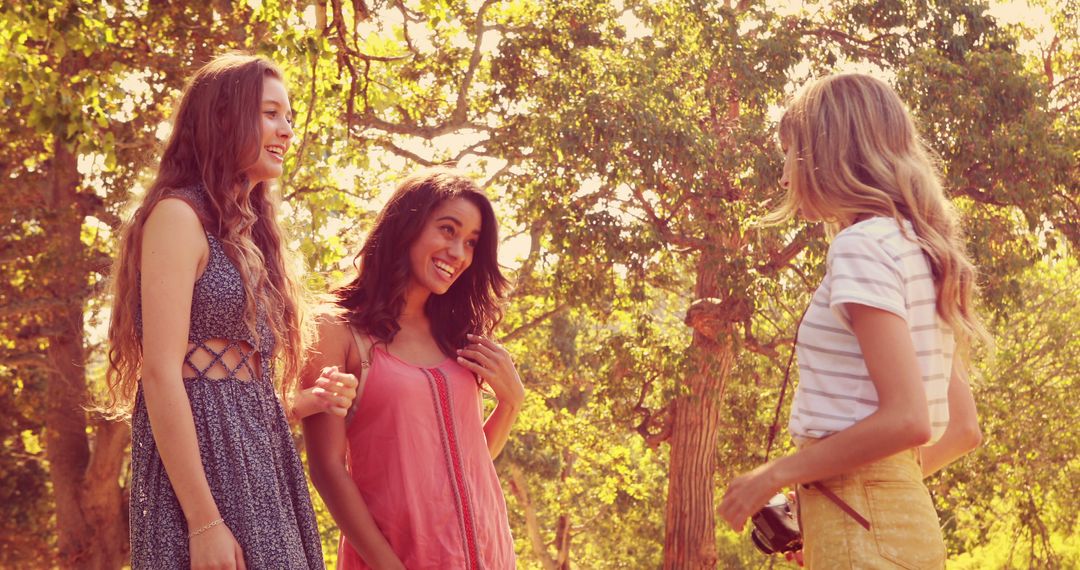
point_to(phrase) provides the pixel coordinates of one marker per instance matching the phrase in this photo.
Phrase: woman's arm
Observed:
(902, 420)
(498, 424)
(173, 248)
(324, 435)
(493, 363)
(963, 434)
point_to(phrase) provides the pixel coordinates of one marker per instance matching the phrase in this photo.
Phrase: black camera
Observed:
(776, 528)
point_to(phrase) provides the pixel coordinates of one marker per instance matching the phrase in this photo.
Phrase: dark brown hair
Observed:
(373, 300)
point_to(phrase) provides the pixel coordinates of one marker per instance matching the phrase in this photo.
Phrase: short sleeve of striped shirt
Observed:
(877, 263)
(861, 271)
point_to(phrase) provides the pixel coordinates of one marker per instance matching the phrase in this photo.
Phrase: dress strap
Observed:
(364, 350)
(194, 196)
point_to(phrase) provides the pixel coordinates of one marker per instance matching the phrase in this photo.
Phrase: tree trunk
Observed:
(520, 489)
(690, 529)
(91, 517)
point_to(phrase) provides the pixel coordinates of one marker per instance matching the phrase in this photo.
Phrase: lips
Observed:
(277, 150)
(445, 269)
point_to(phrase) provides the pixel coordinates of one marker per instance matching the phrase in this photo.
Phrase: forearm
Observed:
(173, 426)
(962, 434)
(304, 404)
(945, 451)
(498, 425)
(878, 436)
(351, 513)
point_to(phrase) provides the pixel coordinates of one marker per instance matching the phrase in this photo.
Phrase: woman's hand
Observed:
(492, 363)
(796, 556)
(333, 392)
(216, 549)
(746, 495)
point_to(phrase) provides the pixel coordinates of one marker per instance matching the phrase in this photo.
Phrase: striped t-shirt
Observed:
(870, 263)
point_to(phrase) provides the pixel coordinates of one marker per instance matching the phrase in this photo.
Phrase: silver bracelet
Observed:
(205, 528)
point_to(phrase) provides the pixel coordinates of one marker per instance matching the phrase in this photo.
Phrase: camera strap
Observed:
(775, 428)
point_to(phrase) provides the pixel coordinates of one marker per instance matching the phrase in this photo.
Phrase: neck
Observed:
(415, 299)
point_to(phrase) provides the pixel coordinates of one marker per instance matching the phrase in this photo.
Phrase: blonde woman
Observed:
(882, 399)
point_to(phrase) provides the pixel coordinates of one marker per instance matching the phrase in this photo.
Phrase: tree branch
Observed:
(461, 108)
(471, 149)
(560, 308)
(402, 152)
(662, 226)
(780, 259)
(370, 120)
(650, 418)
(26, 360)
(18, 308)
(751, 343)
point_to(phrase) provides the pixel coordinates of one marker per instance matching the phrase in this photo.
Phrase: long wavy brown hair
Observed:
(374, 299)
(216, 137)
(857, 151)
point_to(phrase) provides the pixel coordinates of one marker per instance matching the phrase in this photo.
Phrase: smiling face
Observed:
(445, 246)
(275, 128)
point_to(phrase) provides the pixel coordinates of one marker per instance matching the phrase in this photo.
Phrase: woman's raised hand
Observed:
(492, 363)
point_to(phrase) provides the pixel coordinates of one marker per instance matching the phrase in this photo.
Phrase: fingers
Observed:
(344, 378)
(474, 367)
(492, 354)
(732, 510)
(239, 557)
(486, 342)
(336, 389)
(478, 357)
(339, 383)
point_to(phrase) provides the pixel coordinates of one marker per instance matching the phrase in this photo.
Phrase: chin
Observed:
(442, 288)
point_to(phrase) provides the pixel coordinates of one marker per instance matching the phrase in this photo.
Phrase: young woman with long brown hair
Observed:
(204, 306)
(409, 477)
(882, 399)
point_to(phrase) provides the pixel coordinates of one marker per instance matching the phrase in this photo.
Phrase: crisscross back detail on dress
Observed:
(236, 360)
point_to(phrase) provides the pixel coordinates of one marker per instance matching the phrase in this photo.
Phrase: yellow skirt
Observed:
(904, 528)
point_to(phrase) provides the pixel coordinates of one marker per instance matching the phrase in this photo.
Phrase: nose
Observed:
(285, 131)
(457, 249)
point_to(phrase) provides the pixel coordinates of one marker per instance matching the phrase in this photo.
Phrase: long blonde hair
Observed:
(857, 153)
(215, 138)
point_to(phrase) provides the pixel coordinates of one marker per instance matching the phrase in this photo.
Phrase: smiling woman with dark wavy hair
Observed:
(374, 299)
(408, 475)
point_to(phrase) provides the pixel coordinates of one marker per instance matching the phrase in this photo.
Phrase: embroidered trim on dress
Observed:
(443, 411)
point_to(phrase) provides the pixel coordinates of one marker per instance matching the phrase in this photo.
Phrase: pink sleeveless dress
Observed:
(418, 455)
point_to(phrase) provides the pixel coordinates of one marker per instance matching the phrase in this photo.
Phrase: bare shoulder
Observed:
(173, 239)
(334, 333)
(175, 219)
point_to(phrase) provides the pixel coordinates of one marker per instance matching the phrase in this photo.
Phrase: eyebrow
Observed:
(456, 221)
